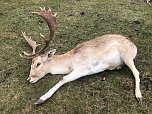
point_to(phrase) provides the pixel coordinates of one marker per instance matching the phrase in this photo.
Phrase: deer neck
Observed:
(61, 64)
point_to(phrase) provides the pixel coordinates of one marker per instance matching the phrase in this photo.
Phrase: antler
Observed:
(51, 22)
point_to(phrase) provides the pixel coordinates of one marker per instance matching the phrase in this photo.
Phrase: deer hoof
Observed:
(39, 102)
(139, 99)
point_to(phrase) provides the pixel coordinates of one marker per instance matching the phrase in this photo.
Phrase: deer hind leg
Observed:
(130, 64)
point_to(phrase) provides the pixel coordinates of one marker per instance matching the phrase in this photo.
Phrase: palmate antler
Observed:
(51, 22)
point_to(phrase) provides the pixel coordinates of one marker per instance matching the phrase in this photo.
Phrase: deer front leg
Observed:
(68, 78)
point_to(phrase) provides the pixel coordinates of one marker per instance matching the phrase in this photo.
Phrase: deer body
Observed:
(93, 56)
(106, 52)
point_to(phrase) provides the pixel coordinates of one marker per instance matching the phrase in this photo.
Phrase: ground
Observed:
(109, 92)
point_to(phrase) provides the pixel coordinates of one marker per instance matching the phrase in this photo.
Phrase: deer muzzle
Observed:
(31, 80)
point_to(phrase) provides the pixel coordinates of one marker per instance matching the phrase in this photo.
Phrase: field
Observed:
(109, 92)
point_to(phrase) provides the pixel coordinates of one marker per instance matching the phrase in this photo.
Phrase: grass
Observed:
(78, 21)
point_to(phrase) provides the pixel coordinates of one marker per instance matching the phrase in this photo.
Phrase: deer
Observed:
(106, 52)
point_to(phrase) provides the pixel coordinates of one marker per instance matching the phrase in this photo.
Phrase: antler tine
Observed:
(44, 8)
(49, 9)
(36, 13)
(41, 8)
(43, 36)
(25, 57)
(55, 14)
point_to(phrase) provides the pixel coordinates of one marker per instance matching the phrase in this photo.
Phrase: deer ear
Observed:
(50, 53)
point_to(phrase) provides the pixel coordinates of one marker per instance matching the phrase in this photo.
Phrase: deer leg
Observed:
(135, 72)
(68, 78)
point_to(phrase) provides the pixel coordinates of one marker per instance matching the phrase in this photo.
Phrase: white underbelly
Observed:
(109, 62)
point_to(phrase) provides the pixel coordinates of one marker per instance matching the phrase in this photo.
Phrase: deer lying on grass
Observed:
(106, 52)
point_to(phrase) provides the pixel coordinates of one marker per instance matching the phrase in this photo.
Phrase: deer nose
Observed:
(32, 81)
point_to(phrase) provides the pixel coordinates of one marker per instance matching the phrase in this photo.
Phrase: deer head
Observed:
(41, 57)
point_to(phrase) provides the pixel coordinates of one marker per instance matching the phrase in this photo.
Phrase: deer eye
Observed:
(38, 64)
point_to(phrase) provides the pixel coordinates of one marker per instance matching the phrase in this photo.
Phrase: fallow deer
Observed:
(106, 52)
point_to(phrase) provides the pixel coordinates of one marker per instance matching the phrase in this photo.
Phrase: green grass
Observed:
(78, 21)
